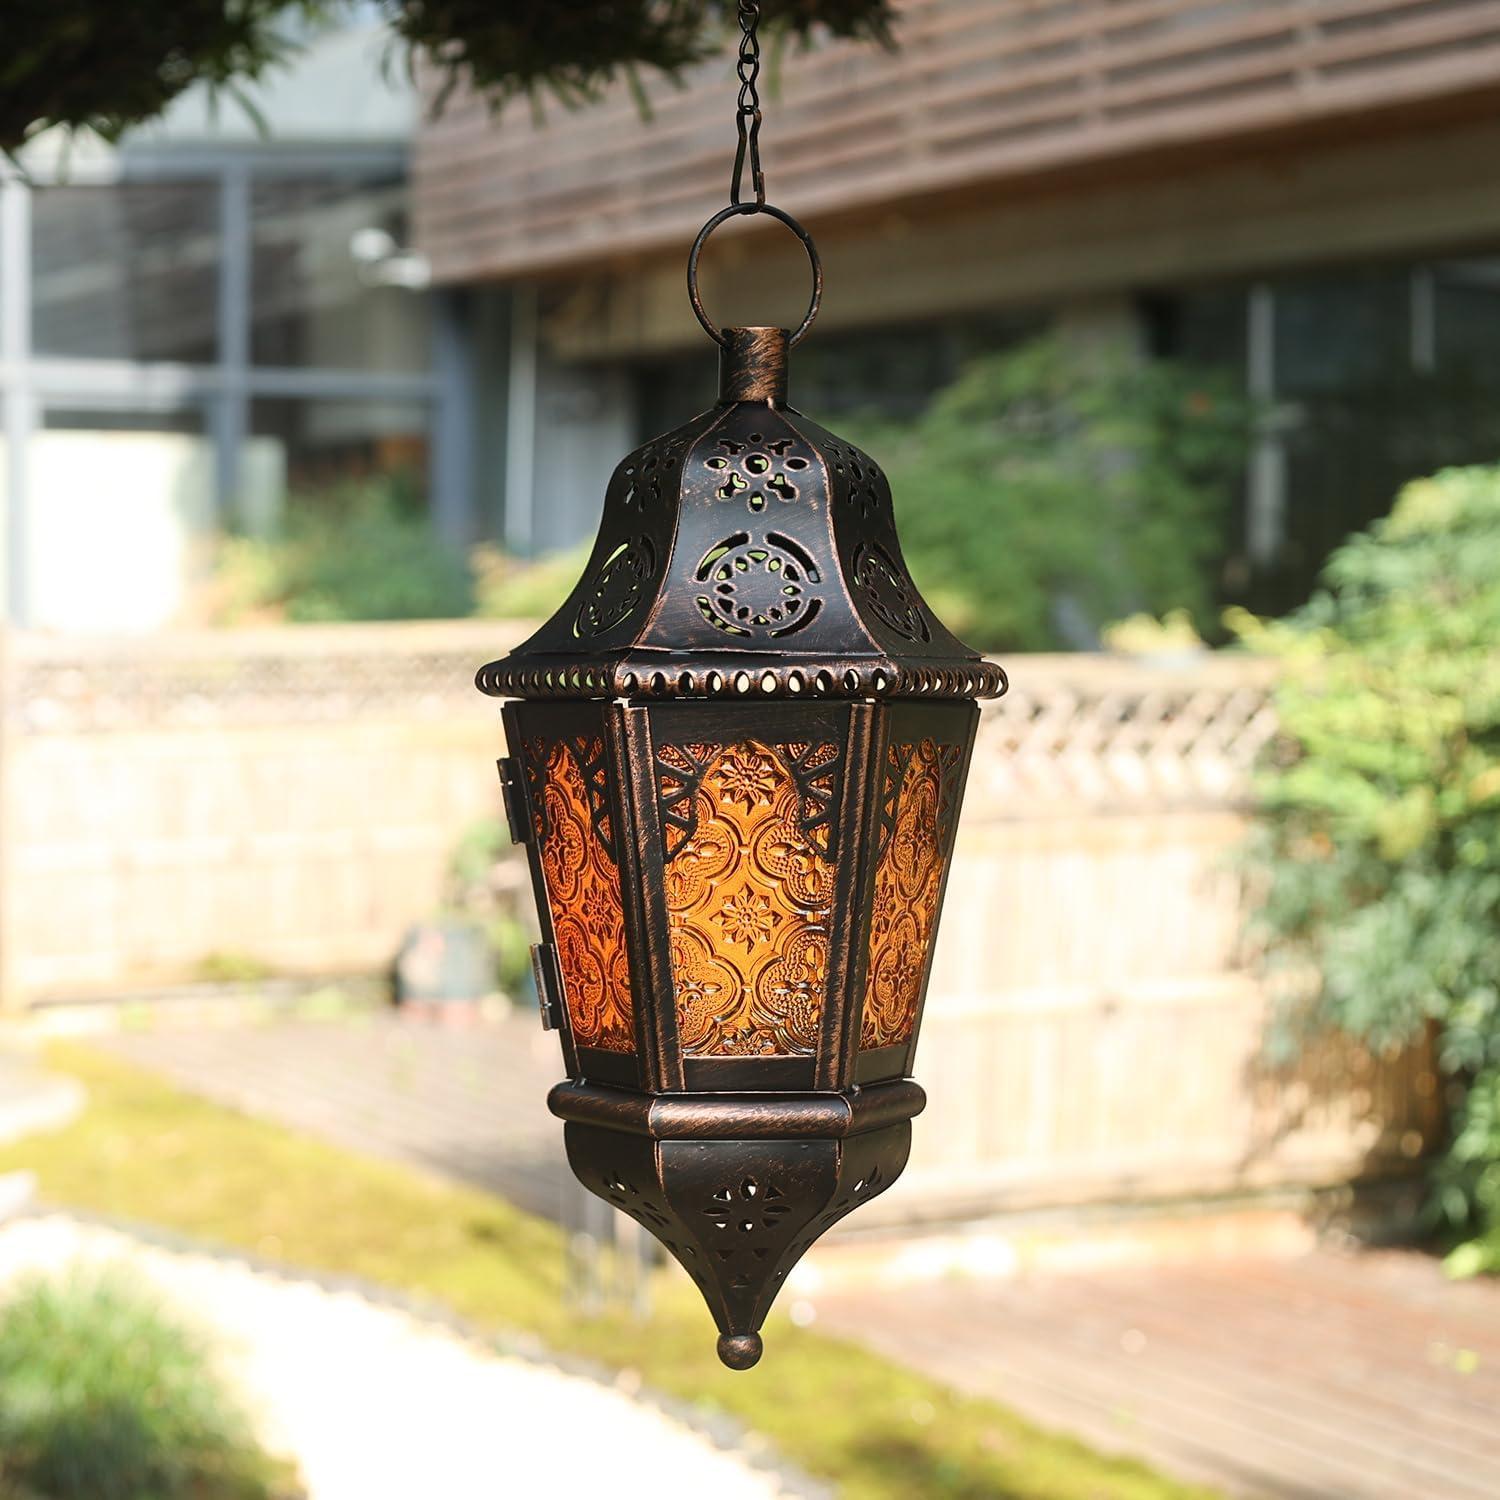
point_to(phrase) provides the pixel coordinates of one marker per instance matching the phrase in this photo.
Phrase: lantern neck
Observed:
(752, 365)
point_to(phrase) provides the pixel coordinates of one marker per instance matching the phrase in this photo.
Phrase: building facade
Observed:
(214, 323)
(1298, 190)
(206, 323)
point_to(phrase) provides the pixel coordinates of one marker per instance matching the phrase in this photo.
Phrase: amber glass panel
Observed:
(583, 892)
(917, 811)
(749, 890)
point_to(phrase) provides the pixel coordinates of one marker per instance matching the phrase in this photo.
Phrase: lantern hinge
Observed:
(548, 984)
(513, 794)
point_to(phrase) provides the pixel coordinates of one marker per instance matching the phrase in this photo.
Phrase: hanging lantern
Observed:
(737, 754)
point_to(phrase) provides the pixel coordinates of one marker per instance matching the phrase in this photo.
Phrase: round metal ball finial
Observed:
(740, 1350)
(737, 758)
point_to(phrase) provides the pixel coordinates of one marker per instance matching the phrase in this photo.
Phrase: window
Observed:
(155, 435)
(127, 271)
(1378, 374)
(1338, 332)
(1466, 312)
(311, 302)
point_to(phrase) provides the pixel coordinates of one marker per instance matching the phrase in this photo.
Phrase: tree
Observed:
(105, 66)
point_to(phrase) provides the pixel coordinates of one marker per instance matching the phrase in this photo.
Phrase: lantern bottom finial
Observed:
(737, 1186)
(740, 1350)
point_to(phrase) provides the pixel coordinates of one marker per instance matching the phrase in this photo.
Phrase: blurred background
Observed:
(1152, 310)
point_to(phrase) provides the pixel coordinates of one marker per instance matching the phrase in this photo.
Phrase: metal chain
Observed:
(747, 118)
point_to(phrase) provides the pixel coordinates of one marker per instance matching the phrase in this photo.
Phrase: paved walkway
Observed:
(375, 1404)
(30, 1100)
(470, 1104)
(1362, 1377)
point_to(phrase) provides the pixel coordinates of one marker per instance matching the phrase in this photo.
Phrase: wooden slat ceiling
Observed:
(979, 91)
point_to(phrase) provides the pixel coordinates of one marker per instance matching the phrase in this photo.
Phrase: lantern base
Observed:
(737, 1188)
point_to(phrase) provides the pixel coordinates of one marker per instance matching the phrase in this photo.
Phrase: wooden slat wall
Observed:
(980, 90)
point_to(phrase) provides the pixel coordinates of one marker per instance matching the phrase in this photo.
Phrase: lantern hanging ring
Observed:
(747, 153)
(735, 210)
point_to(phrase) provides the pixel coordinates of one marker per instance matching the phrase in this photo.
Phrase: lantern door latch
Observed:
(513, 795)
(548, 984)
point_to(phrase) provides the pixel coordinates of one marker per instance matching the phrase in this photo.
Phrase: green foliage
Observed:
(362, 551)
(108, 66)
(572, 51)
(105, 1395)
(1050, 481)
(1063, 477)
(1144, 635)
(1381, 836)
(232, 967)
(508, 588)
(366, 550)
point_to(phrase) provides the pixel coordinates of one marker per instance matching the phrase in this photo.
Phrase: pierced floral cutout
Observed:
(758, 585)
(583, 893)
(749, 891)
(918, 800)
(617, 588)
(861, 479)
(886, 587)
(747, 1207)
(642, 474)
(756, 471)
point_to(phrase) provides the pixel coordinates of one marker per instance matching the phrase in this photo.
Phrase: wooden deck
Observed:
(1328, 1377)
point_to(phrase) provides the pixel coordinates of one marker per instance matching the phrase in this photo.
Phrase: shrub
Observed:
(367, 551)
(105, 1395)
(363, 550)
(1056, 486)
(1380, 842)
(516, 589)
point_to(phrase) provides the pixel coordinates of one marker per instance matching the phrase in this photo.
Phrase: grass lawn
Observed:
(143, 1151)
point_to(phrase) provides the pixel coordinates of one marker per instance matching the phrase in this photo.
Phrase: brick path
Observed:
(1328, 1377)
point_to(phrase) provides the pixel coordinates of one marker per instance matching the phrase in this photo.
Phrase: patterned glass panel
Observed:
(583, 890)
(917, 805)
(749, 889)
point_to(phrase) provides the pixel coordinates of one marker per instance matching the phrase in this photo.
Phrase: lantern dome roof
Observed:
(747, 551)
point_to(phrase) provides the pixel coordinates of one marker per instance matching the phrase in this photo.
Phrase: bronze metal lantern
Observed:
(737, 754)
